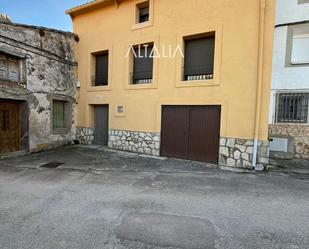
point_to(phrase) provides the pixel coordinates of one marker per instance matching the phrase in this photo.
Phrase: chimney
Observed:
(5, 18)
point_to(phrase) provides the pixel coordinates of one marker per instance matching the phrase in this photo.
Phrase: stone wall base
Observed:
(135, 141)
(84, 135)
(236, 152)
(298, 136)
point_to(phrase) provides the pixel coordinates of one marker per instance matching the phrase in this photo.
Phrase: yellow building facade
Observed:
(179, 106)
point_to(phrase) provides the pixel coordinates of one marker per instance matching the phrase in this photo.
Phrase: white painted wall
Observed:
(287, 78)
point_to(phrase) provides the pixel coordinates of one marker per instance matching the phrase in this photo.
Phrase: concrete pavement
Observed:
(103, 199)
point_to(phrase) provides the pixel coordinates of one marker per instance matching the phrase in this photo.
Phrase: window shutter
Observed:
(300, 51)
(143, 63)
(101, 75)
(3, 67)
(199, 56)
(13, 69)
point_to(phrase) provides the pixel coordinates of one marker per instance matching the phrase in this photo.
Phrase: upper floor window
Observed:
(303, 1)
(101, 70)
(142, 64)
(143, 12)
(199, 58)
(9, 68)
(300, 46)
(292, 108)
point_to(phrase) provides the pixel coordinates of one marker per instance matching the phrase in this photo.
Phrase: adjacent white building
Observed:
(289, 112)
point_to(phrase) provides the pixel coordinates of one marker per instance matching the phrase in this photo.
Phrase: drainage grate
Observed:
(51, 165)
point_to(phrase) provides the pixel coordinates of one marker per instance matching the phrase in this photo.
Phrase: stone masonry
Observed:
(84, 135)
(298, 136)
(48, 72)
(239, 152)
(135, 141)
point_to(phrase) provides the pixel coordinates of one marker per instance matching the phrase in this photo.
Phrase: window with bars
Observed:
(59, 114)
(199, 58)
(143, 64)
(101, 70)
(292, 108)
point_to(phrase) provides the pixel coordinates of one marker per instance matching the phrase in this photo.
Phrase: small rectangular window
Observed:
(120, 109)
(59, 114)
(9, 68)
(142, 64)
(199, 58)
(292, 107)
(143, 12)
(300, 48)
(101, 70)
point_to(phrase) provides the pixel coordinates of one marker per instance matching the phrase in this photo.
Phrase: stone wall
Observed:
(135, 141)
(298, 135)
(49, 71)
(84, 135)
(239, 153)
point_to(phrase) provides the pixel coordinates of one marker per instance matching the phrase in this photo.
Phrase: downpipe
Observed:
(259, 82)
(255, 151)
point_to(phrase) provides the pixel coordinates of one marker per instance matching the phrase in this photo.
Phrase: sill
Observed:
(197, 83)
(60, 130)
(299, 62)
(141, 25)
(141, 86)
(99, 88)
(294, 124)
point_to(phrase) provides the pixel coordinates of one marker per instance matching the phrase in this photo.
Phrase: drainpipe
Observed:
(259, 82)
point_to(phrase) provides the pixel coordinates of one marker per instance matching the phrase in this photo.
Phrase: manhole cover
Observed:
(51, 165)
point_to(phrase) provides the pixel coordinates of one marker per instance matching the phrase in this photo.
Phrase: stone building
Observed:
(289, 109)
(38, 77)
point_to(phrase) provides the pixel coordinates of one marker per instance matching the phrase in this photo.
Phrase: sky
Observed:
(47, 13)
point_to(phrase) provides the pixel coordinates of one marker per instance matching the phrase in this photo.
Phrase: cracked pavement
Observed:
(103, 199)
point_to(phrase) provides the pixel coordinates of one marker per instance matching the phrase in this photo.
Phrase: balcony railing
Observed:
(144, 77)
(99, 80)
(292, 107)
(200, 72)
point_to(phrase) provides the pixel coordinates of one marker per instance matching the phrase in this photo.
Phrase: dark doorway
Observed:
(9, 126)
(101, 124)
(191, 132)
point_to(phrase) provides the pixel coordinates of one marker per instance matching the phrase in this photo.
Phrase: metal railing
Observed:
(143, 77)
(292, 107)
(99, 80)
(199, 72)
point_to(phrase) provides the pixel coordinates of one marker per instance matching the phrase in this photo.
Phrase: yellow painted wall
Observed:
(236, 24)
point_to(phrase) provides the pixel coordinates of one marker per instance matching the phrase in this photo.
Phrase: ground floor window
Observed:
(292, 108)
(59, 114)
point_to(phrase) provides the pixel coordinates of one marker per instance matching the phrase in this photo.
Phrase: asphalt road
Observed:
(108, 200)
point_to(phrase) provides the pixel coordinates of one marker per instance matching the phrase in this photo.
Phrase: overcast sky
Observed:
(48, 13)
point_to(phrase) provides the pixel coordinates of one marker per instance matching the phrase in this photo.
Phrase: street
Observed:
(101, 199)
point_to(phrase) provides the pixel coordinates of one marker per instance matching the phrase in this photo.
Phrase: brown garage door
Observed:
(191, 132)
(9, 126)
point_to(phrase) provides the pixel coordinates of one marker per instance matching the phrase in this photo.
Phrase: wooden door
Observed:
(9, 126)
(101, 124)
(191, 132)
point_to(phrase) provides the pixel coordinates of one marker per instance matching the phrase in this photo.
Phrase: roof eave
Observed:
(90, 6)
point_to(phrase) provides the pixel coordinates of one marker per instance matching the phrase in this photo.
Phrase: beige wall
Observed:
(236, 24)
